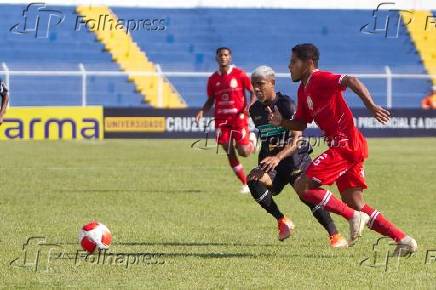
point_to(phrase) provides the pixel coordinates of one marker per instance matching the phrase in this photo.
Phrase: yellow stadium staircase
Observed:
(131, 59)
(423, 33)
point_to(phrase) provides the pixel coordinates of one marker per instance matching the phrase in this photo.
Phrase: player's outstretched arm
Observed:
(276, 119)
(362, 91)
(206, 107)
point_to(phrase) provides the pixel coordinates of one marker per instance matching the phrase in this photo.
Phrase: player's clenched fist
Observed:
(275, 117)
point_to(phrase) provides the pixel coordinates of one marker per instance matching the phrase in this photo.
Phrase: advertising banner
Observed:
(52, 123)
(180, 123)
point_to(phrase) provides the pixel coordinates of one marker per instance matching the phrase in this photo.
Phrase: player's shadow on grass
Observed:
(131, 190)
(194, 244)
(73, 255)
(186, 244)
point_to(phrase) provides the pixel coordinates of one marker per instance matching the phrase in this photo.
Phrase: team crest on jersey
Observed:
(309, 103)
(217, 84)
(233, 83)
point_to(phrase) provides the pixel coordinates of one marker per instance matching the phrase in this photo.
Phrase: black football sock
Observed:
(264, 197)
(323, 218)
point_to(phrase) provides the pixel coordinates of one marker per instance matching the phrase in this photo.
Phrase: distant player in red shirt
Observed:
(226, 90)
(320, 99)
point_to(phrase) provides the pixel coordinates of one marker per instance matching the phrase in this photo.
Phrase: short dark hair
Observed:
(218, 50)
(306, 51)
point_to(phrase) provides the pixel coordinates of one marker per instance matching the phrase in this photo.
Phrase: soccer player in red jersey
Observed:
(226, 90)
(320, 99)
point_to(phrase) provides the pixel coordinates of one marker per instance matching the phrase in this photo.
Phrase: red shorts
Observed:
(232, 129)
(331, 166)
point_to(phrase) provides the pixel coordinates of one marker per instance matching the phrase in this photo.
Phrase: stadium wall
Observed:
(96, 122)
(152, 123)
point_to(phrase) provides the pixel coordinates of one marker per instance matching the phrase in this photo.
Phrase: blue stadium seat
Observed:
(64, 49)
(188, 44)
(266, 37)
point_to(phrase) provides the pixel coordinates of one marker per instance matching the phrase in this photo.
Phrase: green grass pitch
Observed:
(177, 214)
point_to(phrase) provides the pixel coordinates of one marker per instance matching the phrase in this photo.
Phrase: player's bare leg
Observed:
(310, 191)
(353, 197)
(246, 150)
(260, 187)
(236, 166)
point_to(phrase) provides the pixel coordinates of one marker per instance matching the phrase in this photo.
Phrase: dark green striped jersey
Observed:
(274, 138)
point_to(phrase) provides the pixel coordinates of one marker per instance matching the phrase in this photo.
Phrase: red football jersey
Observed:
(321, 100)
(228, 91)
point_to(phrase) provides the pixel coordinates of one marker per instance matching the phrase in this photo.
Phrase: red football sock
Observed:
(321, 197)
(237, 168)
(381, 225)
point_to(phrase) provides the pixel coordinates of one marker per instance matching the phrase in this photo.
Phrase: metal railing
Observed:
(84, 74)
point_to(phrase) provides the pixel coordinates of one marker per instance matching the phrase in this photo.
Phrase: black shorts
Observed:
(288, 171)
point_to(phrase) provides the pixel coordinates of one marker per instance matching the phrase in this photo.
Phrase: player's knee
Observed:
(353, 198)
(244, 151)
(303, 183)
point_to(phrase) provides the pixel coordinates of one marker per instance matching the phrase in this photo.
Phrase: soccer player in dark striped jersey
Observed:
(282, 157)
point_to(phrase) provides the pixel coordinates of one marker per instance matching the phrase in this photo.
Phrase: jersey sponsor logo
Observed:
(269, 130)
(233, 83)
(309, 103)
(227, 111)
(223, 103)
(225, 97)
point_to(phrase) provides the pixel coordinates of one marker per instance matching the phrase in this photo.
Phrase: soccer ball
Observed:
(95, 235)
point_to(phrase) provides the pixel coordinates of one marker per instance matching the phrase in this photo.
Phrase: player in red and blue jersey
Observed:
(320, 100)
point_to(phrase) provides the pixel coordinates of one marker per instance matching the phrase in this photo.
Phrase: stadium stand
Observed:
(129, 56)
(256, 36)
(423, 34)
(64, 49)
